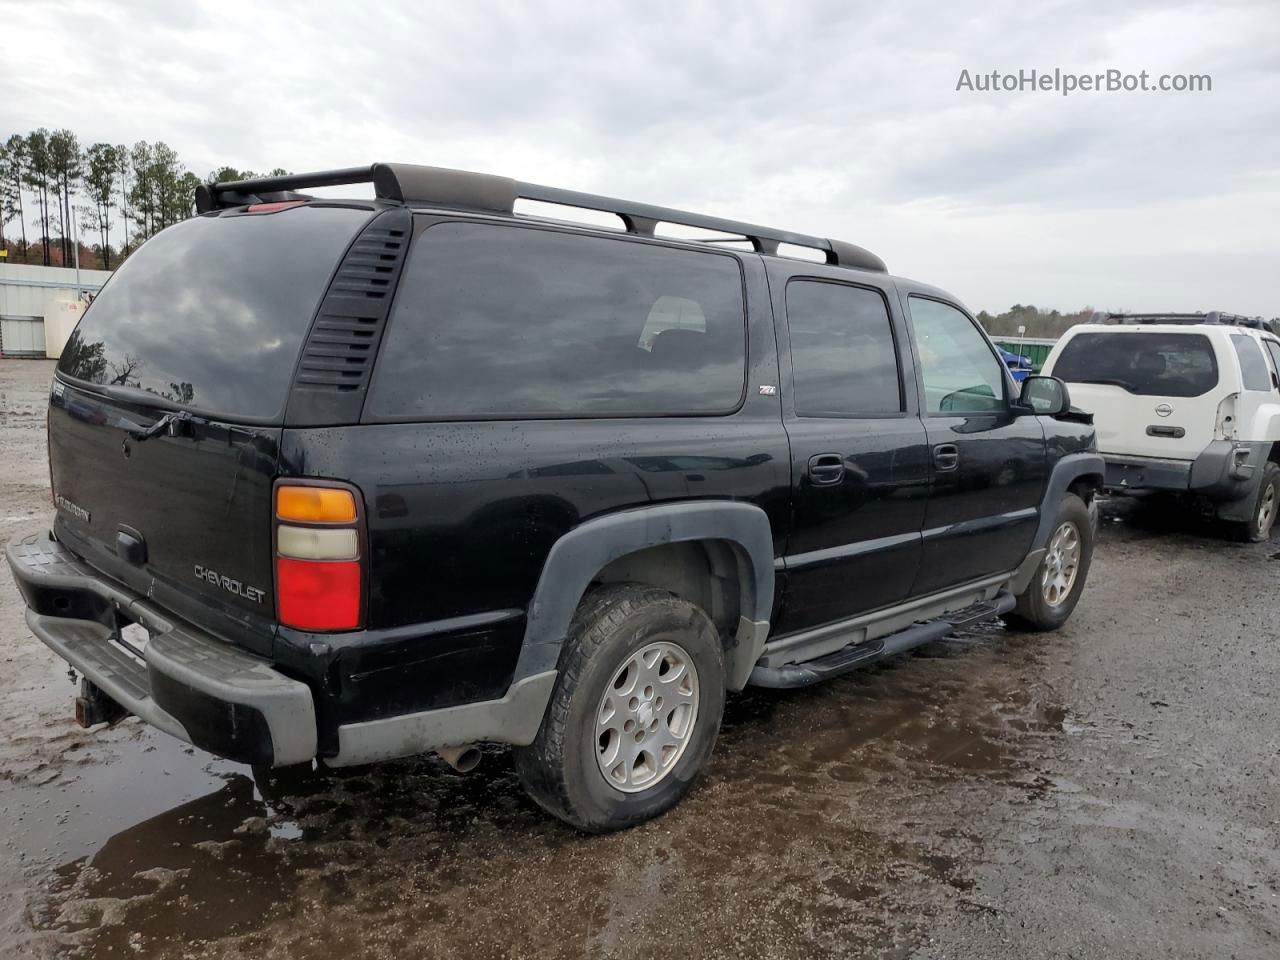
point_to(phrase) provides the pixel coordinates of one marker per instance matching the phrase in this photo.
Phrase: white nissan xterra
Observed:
(1185, 403)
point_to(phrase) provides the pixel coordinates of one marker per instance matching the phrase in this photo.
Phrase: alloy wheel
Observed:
(1061, 563)
(646, 716)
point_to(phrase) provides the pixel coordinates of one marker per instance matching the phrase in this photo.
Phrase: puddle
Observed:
(813, 822)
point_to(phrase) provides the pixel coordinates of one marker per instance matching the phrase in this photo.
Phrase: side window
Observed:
(1253, 368)
(492, 321)
(961, 374)
(842, 351)
(1273, 348)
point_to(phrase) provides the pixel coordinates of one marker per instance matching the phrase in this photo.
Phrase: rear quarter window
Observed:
(211, 313)
(1144, 364)
(1253, 366)
(1273, 348)
(498, 322)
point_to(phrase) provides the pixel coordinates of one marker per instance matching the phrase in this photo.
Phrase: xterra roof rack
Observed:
(414, 184)
(1213, 316)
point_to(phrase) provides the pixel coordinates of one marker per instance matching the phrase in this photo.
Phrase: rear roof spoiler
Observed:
(439, 186)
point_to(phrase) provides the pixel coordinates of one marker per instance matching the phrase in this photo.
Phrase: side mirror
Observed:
(1045, 396)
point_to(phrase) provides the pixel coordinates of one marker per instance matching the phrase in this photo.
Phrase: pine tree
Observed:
(100, 183)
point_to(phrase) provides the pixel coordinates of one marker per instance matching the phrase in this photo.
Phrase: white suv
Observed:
(1183, 402)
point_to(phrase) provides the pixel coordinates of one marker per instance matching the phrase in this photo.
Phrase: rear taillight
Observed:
(319, 563)
(1225, 426)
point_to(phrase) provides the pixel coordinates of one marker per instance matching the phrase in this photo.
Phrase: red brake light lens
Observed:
(318, 595)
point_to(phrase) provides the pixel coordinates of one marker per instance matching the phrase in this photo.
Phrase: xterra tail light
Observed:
(319, 567)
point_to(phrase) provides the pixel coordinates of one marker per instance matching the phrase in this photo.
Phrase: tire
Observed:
(1263, 508)
(614, 635)
(1039, 607)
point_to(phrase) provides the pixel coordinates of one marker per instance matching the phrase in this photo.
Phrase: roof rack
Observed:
(1213, 316)
(415, 184)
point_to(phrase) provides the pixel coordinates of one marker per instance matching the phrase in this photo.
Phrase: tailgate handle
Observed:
(131, 547)
(1156, 430)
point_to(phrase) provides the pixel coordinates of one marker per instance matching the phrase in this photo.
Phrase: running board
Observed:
(858, 655)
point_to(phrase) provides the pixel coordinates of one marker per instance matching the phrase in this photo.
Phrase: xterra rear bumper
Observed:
(190, 684)
(1225, 470)
(220, 698)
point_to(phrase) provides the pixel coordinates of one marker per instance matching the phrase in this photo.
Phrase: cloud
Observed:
(833, 118)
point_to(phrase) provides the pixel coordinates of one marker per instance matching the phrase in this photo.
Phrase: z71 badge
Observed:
(230, 584)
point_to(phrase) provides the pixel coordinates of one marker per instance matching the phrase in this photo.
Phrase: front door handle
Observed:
(946, 456)
(826, 468)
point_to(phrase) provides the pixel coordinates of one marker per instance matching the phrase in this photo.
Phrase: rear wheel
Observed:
(1266, 506)
(1055, 589)
(635, 711)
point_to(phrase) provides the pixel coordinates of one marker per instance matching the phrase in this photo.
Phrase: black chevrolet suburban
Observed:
(349, 480)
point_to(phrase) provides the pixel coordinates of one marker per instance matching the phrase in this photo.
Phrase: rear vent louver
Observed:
(338, 357)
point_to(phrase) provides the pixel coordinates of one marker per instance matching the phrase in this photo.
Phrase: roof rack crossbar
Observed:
(230, 193)
(413, 183)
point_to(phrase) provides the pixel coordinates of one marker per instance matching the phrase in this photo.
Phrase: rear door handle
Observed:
(946, 456)
(826, 468)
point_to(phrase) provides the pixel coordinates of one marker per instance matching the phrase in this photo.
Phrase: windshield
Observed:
(210, 314)
(1146, 364)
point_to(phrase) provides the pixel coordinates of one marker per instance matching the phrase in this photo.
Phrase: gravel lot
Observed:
(1107, 791)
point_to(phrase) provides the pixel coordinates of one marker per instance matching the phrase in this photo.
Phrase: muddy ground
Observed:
(1107, 791)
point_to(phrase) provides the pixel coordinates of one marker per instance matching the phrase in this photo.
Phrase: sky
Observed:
(838, 119)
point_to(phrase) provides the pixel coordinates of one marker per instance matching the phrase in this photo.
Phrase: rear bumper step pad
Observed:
(192, 685)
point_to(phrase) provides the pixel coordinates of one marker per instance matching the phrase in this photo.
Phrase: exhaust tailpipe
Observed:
(464, 758)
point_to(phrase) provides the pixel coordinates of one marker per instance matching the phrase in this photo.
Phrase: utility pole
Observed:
(75, 241)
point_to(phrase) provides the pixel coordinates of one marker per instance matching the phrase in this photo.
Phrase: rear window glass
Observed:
(1253, 366)
(211, 313)
(1145, 364)
(493, 321)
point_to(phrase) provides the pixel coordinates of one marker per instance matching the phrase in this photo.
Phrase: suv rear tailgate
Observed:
(198, 504)
(1151, 393)
(166, 413)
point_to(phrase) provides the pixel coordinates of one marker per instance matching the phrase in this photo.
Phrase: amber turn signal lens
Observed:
(315, 505)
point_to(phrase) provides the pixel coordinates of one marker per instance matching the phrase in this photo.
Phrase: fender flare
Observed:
(586, 549)
(1066, 471)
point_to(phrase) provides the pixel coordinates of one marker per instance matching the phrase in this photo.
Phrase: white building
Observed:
(39, 307)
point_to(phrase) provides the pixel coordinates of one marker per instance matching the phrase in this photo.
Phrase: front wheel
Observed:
(635, 711)
(1055, 589)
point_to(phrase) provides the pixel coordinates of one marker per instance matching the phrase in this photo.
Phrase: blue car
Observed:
(1018, 365)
